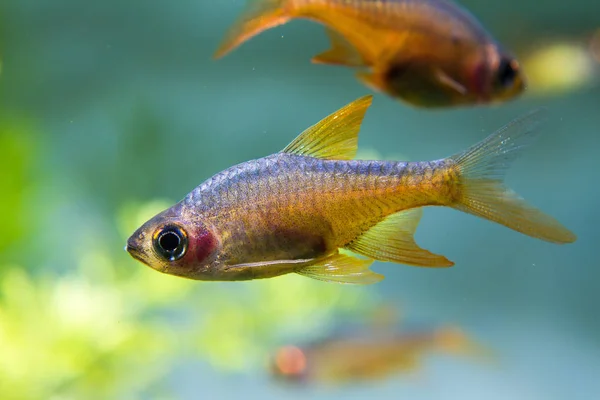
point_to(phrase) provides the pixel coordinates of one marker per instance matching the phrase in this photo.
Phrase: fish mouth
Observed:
(135, 252)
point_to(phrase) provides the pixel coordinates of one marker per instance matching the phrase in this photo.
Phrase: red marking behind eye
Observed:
(478, 79)
(203, 244)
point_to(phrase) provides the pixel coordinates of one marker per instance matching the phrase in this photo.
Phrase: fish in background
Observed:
(429, 53)
(292, 212)
(369, 355)
(561, 65)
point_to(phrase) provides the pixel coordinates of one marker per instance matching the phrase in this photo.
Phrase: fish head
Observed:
(289, 364)
(176, 242)
(498, 76)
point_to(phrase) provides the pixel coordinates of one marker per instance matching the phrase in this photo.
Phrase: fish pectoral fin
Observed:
(335, 137)
(393, 240)
(449, 82)
(340, 53)
(265, 269)
(341, 268)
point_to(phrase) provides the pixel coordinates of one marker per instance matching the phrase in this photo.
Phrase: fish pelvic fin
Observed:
(258, 16)
(335, 137)
(341, 268)
(481, 190)
(393, 240)
(340, 53)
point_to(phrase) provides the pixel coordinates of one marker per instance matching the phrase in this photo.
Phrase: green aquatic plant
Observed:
(18, 155)
(81, 334)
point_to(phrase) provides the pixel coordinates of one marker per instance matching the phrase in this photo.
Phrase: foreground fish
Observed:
(292, 211)
(368, 356)
(430, 53)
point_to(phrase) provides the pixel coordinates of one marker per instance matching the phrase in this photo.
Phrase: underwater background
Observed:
(112, 111)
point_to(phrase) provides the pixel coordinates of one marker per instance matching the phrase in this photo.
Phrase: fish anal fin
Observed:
(340, 53)
(393, 240)
(335, 137)
(341, 268)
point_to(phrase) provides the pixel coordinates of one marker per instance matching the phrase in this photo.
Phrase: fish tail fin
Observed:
(481, 190)
(258, 16)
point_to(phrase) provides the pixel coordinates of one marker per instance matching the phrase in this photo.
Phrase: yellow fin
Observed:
(342, 268)
(392, 240)
(340, 53)
(483, 193)
(335, 137)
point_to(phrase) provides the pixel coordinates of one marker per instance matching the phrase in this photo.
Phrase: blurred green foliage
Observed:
(98, 333)
(16, 180)
(103, 104)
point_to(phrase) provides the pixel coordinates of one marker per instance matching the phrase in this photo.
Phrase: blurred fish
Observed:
(557, 67)
(430, 53)
(292, 211)
(368, 356)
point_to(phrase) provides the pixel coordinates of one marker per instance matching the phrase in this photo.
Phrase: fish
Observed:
(560, 66)
(369, 355)
(428, 53)
(312, 210)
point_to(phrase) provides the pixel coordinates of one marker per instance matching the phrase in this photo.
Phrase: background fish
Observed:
(430, 53)
(369, 355)
(292, 211)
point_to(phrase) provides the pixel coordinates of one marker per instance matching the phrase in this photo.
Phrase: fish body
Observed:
(293, 211)
(290, 207)
(367, 356)
(430, 53)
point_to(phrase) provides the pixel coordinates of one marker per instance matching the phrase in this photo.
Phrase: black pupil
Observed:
(506, 73)
(169, 241)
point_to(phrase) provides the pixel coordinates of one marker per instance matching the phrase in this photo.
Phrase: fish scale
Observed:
(379, 188)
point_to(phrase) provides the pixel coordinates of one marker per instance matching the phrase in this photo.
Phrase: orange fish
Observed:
(368, 356)
(291, 212)
(430, 53)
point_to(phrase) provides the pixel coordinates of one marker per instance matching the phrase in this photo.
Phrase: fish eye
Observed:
(170, 242)
(507, 72)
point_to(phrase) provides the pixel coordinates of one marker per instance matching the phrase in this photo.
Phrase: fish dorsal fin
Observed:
(341, 268)
(393, 240)
(340, 53)
(335, 137)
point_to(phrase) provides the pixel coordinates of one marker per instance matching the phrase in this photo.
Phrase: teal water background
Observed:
(106, 107)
